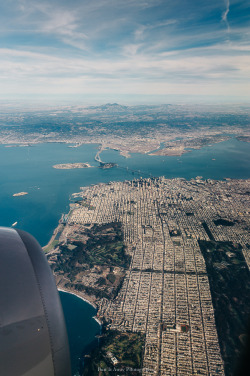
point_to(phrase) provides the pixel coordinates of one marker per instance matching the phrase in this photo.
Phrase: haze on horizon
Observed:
(134, 51)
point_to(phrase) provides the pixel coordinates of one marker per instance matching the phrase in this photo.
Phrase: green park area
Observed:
(229, 280)
(118, 354)
(103, 253)
(104, 247)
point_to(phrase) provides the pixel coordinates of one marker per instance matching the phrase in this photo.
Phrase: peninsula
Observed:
(159, 258)
(178, 147)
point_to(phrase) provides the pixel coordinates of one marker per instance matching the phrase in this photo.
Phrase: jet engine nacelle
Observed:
(33, 337)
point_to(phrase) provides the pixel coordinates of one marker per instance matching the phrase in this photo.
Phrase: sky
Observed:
(127, 51)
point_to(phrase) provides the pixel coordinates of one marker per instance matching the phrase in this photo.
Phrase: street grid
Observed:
(166, 287)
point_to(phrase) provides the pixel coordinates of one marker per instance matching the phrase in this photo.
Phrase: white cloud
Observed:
(122, 45)
(131, 49)
(140, 32)
(16, 64)
(225, 13)
(54, 20)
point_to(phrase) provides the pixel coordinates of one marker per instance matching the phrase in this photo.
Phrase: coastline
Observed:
(80, 297)
(97, 320)
(50, 242)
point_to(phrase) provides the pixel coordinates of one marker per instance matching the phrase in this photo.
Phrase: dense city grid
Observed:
(166, 292)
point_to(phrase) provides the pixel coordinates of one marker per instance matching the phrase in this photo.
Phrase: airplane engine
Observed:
(33, 337)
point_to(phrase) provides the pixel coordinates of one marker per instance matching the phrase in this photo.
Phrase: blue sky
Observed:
(125, 50)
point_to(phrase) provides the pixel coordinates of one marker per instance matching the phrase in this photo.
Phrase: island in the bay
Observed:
(166, 261)
(105, 165)
(20, 194)
(69, 166)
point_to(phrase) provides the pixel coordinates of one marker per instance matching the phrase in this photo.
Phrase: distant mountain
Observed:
(110, 107)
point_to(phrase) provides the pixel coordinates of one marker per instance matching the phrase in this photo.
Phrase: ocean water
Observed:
(30, 169)
(81, 327)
